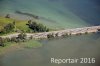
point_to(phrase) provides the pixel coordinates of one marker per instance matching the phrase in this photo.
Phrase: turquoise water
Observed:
(56, 13)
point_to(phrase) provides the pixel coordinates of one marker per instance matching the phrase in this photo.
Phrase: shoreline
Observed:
(59, 33)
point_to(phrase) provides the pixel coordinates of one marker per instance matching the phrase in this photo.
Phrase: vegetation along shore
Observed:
(13, 31)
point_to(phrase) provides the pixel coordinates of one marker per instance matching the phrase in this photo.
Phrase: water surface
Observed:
(55, 13)
(86, 46)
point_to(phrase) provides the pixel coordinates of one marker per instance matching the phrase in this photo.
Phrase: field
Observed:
(19, 24)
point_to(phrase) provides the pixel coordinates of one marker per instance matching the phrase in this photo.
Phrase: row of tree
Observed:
(37, 27)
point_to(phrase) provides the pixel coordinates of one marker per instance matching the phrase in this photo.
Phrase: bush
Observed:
(9, 27)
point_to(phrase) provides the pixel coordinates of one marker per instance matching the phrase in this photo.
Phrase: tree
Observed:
(37, 27)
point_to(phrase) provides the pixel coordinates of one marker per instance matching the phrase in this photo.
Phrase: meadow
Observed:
(19, 24)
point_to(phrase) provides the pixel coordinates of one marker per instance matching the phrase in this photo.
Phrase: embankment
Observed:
(58, 33)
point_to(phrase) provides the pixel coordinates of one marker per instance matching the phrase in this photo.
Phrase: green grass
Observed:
(32, 44)
(27, 44)
(12, 46)
(4, 21)
(20, 24)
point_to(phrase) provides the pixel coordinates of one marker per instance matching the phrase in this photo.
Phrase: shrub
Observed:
(9, 27)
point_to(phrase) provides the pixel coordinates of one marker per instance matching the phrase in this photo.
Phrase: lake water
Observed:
(84, 46)
(56, 14)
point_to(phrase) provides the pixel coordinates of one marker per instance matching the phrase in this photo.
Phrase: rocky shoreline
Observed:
(59, 33)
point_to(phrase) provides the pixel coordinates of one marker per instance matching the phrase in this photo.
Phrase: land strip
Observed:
(58, 33)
